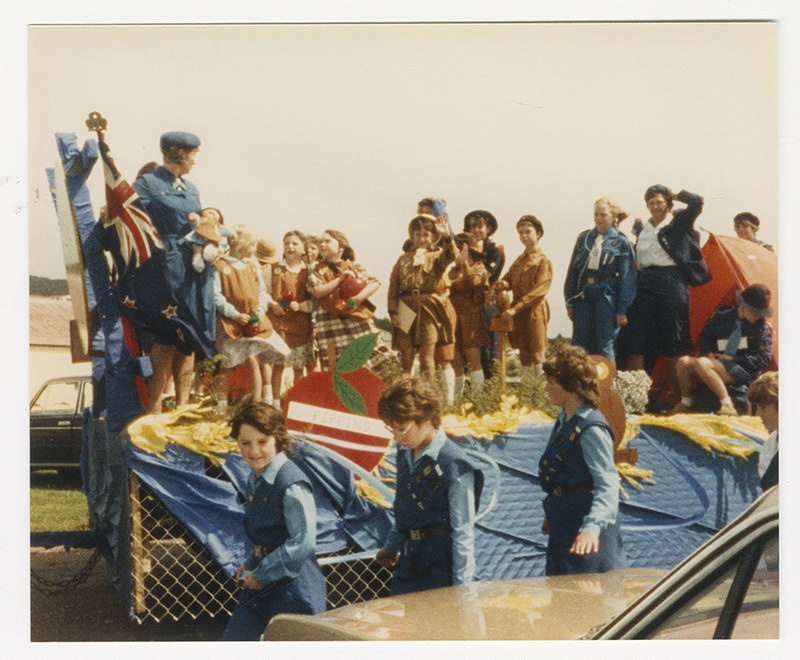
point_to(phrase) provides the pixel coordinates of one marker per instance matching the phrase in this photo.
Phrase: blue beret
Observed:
(179, 139)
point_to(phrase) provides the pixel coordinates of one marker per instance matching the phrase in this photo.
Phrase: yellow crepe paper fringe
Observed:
(507, 419)
(191, 426)
(714, 433)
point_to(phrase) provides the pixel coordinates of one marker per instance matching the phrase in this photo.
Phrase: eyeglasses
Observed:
(399, 433)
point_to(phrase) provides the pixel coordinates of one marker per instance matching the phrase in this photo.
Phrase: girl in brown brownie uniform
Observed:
(416, 286)
(469, 282)
(243, 330)
(289, 309)
(528, 279)
(342, 288)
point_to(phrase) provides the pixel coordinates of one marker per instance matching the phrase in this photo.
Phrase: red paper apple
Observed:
(342, 405)
(351, 286)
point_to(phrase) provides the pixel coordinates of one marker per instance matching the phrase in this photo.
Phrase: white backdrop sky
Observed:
(497, 105)
(347, 126)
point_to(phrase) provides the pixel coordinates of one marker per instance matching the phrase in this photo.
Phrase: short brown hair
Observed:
(573, 369)
(764, 390)
(411, 399)
(263, 417)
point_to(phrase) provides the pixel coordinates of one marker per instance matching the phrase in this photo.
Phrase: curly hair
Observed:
(240, 244)
(658, 189)
(764, 390)
(616, 211)
(262, 417)
(411, 399)
(573, 369)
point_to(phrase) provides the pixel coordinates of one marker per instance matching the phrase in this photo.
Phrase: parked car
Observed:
(56, 422)
(727, 588)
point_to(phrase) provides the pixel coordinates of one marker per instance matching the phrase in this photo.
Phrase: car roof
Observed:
(557, 607)
(542, 608)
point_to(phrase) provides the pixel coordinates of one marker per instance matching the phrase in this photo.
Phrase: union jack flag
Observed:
(135, 231)
(148, 298)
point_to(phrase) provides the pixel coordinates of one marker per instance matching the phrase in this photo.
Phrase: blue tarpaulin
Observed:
(696, 493)
(212, 507)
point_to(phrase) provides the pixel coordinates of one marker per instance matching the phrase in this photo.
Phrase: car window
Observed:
(758, 617)
(56, 398)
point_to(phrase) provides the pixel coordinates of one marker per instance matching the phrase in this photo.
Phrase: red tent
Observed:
(735, 264)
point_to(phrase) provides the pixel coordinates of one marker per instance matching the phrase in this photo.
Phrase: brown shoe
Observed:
(728, 409)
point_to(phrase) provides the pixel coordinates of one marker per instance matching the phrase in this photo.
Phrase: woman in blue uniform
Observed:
(282, 573)
(578, 473)
(432, 541)
(601, 281)
(169, 198)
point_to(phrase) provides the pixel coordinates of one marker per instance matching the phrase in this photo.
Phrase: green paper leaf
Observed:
(349, 395)
(356, 354)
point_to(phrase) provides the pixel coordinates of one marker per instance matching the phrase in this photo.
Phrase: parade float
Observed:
(165, 490)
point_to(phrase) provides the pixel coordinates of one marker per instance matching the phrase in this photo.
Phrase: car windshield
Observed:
(757, 617)
(59, 397)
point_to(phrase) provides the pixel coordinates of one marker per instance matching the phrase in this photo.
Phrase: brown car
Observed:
(727, 588)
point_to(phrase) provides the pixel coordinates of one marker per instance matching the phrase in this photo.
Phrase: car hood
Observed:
(558, 607)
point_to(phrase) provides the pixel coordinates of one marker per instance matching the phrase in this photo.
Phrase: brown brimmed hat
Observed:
(422, 221)
(756, 298)
(266, 252)
(533, 221)
(209, 229)
(478, 214)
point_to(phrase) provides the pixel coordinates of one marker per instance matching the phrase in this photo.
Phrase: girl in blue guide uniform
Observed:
(282, 573)
(601, 281)
(432, 542)
(578, 473)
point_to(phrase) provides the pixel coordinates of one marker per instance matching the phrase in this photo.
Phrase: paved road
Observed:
(89, 612)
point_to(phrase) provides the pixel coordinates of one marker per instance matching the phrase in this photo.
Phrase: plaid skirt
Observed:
(341, 330)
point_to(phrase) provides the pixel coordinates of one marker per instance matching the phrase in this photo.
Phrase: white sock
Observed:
(687, 401)
(449, 383)
(727, 401)
(266, 393)
(476, 378)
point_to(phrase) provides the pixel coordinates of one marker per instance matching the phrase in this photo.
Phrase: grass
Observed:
(57, 505)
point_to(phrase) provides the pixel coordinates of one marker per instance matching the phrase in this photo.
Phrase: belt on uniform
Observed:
(425, 533)
(595, 280)
(262, 551)
(560, 491)
(418, 292)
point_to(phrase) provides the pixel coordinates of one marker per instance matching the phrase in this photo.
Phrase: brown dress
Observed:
(286, 286)
(529, 279)
(239, 291)
(469, 283)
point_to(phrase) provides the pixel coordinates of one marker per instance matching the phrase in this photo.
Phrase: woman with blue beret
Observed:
(169, 199)
(601, 281)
